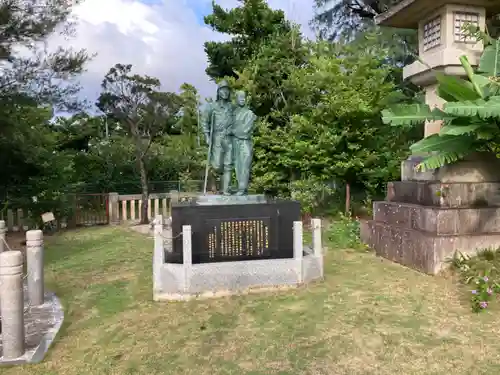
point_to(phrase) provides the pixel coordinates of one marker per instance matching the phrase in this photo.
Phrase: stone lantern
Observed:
(441, 39)
(429, 216)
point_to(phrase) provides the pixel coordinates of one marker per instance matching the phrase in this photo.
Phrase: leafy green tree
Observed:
(338, 132)
(144, 112)
(190, 101)
(249, 24)
(33, 85)
(320, 106)
(266, 71)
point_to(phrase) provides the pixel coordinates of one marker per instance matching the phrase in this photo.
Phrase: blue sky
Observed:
(161, 38)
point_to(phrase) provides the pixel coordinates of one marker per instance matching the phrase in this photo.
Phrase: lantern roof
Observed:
(408, 13)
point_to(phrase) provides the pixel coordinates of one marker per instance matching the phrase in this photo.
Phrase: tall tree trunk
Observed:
(140, 153)
(144, 190)
(347, 198)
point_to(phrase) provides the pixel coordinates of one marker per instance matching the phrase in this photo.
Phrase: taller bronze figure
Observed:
(244, 121)
(217, 122)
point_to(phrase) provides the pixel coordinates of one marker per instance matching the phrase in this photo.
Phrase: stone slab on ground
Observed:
(42, 323)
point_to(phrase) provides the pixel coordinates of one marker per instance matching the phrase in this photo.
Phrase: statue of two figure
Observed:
(228, 132)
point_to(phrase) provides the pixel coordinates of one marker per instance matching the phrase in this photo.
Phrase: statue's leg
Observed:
(245, 153)
(217, 158)
(227, 165)
(237, 159)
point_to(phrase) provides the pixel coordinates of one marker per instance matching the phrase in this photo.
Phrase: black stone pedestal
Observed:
(234, 228)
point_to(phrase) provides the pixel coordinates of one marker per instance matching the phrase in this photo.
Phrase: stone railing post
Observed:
(298, 247)
(317, 243)
(12, 304)
(34, 260)
(158, 253)
(3, 230)
(316, 237)
(114, 208)
(187, 256)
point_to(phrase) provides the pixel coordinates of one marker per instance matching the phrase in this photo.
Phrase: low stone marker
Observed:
(34, 258)
(12, 304)
(3, 230)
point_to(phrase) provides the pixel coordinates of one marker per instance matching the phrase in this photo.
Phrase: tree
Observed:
(319, 105)
(33, 85)
(144, 112)
(249, 24)
(267, 70)
(190, 101)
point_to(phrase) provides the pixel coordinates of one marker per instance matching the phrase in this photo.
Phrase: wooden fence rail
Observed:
(115, 209)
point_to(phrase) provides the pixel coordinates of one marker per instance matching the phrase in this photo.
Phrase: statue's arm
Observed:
(206, 120)
(251, 119)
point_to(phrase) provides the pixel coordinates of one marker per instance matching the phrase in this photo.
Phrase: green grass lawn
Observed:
(369, 316)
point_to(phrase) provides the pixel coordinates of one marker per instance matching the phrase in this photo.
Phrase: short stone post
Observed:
(158, 253)
(34, 260)
(298, 247)
(316, 237)
(317, 243)
(3, 230)
(114, 208)
(187, 256)
(12, 306)
(174, 196)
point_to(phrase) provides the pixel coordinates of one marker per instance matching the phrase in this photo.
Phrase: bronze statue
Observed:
(242, 129)
(217, 125)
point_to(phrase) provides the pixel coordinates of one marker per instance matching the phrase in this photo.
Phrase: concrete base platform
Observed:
(430, 216)
(209, 200)
(42, 323)
(423, 251)
(184, 282)
(439, 220)
(437, 194)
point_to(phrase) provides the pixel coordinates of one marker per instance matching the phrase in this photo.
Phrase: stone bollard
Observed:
(298, 247)
(317, 243)
(187, 256)
(34, 260)
(158, 253)
(3, 230)
(114, 208)
(316, 237)
(12, 306)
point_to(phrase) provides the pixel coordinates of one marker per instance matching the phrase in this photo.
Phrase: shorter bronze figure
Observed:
(243, 127)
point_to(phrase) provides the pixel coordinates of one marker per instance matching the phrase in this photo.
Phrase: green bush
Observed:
(344, 233)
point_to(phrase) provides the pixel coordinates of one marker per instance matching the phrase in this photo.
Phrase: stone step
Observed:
(420, 250)
(437, 220)
(432, 193)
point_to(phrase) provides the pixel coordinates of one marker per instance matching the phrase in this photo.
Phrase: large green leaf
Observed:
(489, 63)
(459, 130)
(441, 143)
(454, 89)
(481, 108)
(413, 114)
(441, 159)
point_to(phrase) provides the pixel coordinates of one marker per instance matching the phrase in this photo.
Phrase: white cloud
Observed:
(164, 39)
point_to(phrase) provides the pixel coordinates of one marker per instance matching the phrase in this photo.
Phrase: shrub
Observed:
(481, 274)
(344, 233)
